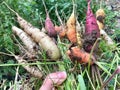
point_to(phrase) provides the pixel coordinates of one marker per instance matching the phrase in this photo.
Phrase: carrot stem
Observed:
(45, 7)
(58, 15)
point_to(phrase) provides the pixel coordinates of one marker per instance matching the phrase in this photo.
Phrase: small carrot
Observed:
(34, 71)
(49, 26)
(61, 32)
(100, 15)
(81, 56)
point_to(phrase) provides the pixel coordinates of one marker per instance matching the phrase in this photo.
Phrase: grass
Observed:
(82, 78)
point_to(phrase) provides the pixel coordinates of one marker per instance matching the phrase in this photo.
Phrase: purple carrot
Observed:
(91, 29)
(49, 26)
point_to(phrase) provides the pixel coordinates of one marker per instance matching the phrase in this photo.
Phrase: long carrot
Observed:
(71, 26)
(78, 34)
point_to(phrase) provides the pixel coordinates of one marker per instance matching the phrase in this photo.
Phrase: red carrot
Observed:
(91, 29)
(91, 22)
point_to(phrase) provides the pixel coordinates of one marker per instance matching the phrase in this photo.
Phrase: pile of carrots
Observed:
(82, 44)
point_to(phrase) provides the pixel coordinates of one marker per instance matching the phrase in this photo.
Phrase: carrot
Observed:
(34, 71)
(78, 34)
(105, 36)
(41, 38)
(91, 23)
(27, 40)
(75, 53)
(71, 26)
(100, 15)
(91, 29)
(44, 41)
(61, 31)
(49, 26)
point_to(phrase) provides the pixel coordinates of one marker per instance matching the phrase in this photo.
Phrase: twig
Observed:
(45, 7)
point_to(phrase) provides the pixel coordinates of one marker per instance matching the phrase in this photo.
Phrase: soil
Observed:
(89, 40)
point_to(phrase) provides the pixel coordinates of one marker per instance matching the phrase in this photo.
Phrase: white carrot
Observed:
(27, 40)
(34, 71)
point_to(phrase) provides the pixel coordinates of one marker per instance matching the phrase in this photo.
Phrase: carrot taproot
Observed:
(71, 26)
(49, 26)
(27, 40)
(45, 42)
(91, 29)
(75, 53)
(78, 34)
(34, 71)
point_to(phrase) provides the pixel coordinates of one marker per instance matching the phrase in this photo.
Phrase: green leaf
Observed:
(81, 82)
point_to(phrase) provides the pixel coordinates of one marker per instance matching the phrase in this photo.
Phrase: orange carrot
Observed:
(71, 27)
(81, 56)
(61, 32)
